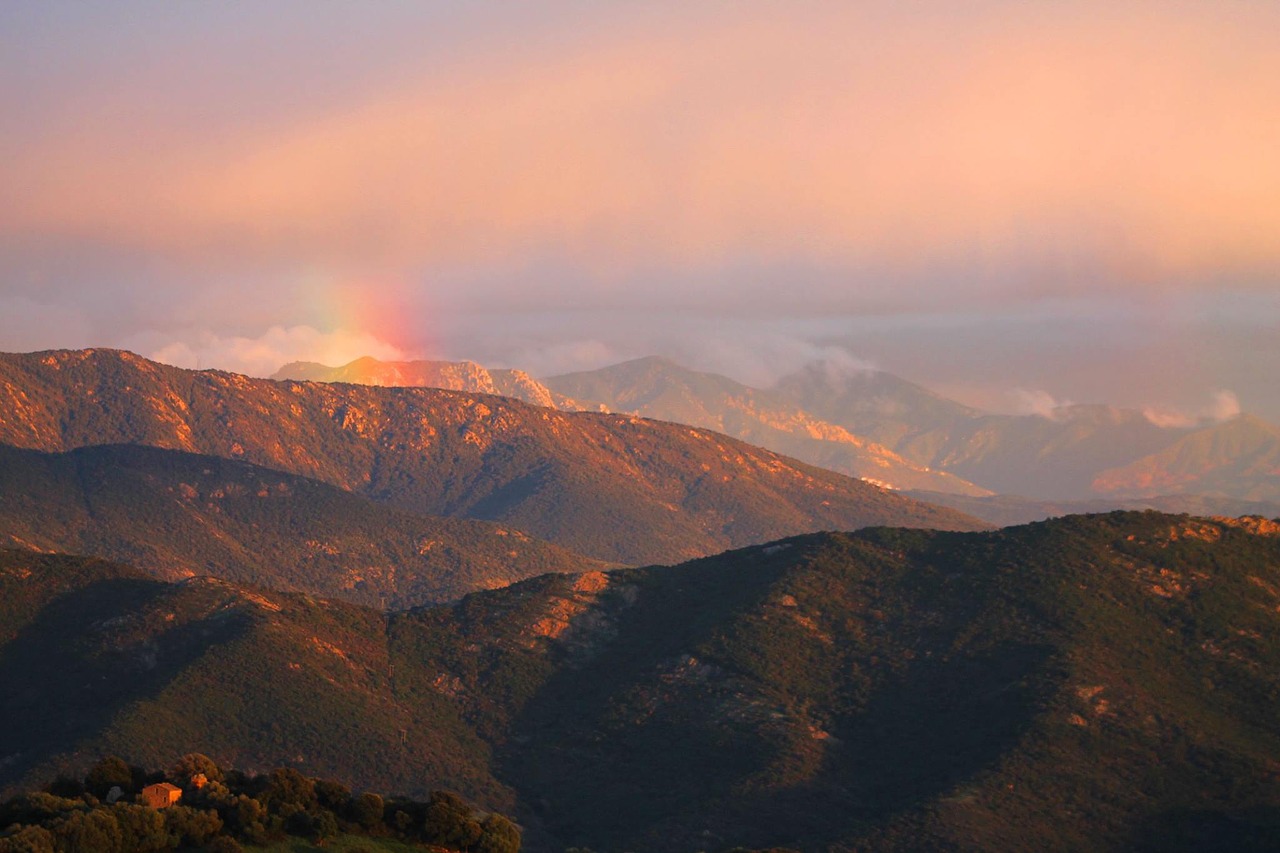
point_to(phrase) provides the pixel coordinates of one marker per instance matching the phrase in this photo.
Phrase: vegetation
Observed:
(1097, 682)
(178, 514)
(227, 812)
(618, 489)
(1007, 510)
(1088, 683)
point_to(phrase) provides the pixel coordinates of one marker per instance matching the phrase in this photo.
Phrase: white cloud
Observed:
(267, 353)
(1039, 402)
(1223, 405)
(758, 357)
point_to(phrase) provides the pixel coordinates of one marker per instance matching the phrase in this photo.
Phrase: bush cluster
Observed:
(219, 811)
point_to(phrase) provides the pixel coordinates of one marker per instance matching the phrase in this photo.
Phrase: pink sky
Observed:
(210, 182)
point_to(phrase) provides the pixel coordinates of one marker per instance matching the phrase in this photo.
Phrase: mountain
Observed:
(615, 488)
(177, 515)
(1090, 683)
(873, 403)
(658, 388)
(877, 426)
(1053, 456)
(1102, 682)
(451, 375)
(886, 430)
(99, 658)
(1239, 457)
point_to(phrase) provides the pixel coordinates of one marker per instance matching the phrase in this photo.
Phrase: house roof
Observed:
(163, 786)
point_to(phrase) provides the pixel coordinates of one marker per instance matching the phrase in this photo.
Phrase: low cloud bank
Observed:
(267, 353)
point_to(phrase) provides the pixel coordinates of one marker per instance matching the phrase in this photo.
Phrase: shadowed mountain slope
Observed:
(97, 658)
(615, 488)
(1090, 683)
(1102, 683)
(1054, 457)
(177, 514)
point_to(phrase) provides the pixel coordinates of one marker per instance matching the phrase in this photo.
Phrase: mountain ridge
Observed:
(615, 488)
(175, 514)
(889, 431)
(1240, 457)
(1073, 452)
(1103, 682)
(449, 375)
(658, 387)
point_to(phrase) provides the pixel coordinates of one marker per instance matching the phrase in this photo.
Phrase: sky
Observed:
(1018, 204)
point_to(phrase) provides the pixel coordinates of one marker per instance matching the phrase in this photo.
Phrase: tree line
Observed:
(220, 811)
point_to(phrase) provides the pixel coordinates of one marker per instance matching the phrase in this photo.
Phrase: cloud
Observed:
(1223, 406)
(1030, 146)
(1039, 402)
(761, 357)
(841, 363)
(267, 353)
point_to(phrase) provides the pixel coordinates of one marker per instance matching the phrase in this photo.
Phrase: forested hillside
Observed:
(1094, 682)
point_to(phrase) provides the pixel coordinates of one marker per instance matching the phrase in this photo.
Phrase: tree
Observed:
(498, 835)
(28, 839)
(324, 825)
(39, 807)
(223, 844)
(108, 773)
(65, 786)
(190, 765)
(449, 821)
(191, 827)
(247, 818)
(332, 795)
(287, 790)
(142, 828)
(366, 811)
(93, 831)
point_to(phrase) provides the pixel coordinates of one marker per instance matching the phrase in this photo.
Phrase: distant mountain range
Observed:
(1101, 683)
(658, 388)
(1239, 458)
(1073, 453)
(886, 430)
(616, 488)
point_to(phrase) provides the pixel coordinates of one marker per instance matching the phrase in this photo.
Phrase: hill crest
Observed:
(616, 488)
